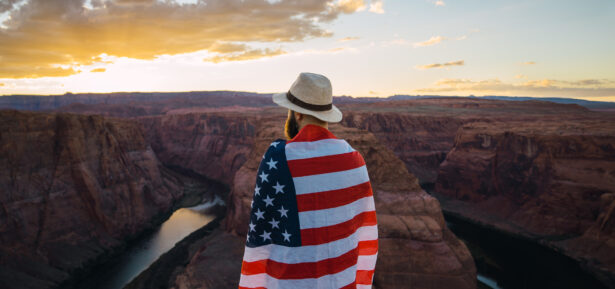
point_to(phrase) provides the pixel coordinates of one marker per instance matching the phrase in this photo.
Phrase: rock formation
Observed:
(552, 181)
(73, 188)
(421, 142)
(421, 131)
(215, 145)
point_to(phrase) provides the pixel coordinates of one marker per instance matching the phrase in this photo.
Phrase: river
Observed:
(142, 254)
(504, 261)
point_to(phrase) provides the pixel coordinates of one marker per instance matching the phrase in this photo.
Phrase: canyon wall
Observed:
(421, 132)
(530, 168)
(214, 145)
(73, 188)
(552, 181)
(421, 142)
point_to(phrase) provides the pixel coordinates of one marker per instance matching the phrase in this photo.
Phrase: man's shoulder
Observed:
(277, 144)
(276, 147)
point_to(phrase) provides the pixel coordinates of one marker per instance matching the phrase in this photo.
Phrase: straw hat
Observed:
(311, 94)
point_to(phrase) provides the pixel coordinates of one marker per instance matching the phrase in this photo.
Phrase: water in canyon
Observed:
(504, 261)
(138, 257)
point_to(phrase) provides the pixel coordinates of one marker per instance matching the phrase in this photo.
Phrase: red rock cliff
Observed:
(421, 142)
(551, 180)
(421, 132)
(73, 187)
(214, 145)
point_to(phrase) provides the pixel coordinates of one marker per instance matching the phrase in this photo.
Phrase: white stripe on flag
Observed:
(337, 280)
(333, 216)
(330, 181)
(319, 148)
(361, 286)
(366, 262)
(314, 253)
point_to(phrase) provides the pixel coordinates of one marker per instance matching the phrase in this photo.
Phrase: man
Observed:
(313, 220)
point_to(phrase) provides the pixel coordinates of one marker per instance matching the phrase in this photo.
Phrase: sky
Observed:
(538, 48)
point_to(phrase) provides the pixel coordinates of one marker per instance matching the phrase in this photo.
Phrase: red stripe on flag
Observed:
(352, 285)
(333, 198)
(312, 132)
(364, 277)
(305, 270)
(368, 247)
(316, 236)
(325, 164)
(317, 269)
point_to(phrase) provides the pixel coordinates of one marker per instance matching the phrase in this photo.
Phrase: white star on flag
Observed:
(274, 223)
(252, 226)
(265, 235)
(268, 201)
(263, 177)
(271, 163)
(286, 236)
(282, 212)
(278, 188)
(257, 190)
(259, 214)
(274, 144)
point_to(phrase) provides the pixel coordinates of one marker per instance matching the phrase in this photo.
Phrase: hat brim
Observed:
(332, 115)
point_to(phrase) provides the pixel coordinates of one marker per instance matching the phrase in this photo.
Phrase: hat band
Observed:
(301, 103)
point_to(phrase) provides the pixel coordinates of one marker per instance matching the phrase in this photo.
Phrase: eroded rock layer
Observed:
(72, 189)
(552, 181)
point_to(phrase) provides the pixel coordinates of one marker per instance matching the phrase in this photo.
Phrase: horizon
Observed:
(351, 96)
(366, 48)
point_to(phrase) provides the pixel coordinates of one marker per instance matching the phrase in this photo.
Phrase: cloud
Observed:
(432, 41)
(520, 76)
(439, 3)
(335, 50)
(376, 7)
(345, 39)
(442, 65)
(102, 69)
(57, 37)
(1, 84)
(350, 6)
(529, 63)
(543, 87)
(245, 55)
(7, 5)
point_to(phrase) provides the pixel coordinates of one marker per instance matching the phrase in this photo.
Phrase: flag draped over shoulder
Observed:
(313, 219)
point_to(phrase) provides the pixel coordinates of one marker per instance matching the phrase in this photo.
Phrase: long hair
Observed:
(291, 128)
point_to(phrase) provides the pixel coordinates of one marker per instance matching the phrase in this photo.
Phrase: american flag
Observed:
(313, 220)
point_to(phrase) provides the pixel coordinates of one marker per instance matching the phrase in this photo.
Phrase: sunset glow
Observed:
(367, 48)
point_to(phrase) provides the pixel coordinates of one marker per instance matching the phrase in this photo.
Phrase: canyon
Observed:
(553, 182)
(539, 170)
(74, 189)
(81, 179)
